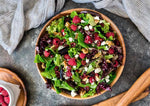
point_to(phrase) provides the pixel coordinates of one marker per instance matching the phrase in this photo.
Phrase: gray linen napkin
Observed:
(17, 16)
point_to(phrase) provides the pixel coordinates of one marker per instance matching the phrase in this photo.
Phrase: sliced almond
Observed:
(67, 24)
(85, 51)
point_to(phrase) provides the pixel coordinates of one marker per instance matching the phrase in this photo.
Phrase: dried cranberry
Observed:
(116, 63)
(83, 62)
(56, 68)
(88, 39)
(72, 62)
(68, 74)
(73, 44)
(66, 56)
(68, 68)
(111, 51)
(98, 43)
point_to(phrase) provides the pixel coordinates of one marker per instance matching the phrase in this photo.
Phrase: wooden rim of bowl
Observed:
(119, 36)
(22, 99)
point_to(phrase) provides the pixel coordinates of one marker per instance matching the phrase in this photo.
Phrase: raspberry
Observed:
(6, 99)
(68, 74)
(91, 79)
(47, 53)
(116, 63)
(56, 42)
(66, 56)
(1, 89)
(82, 55)
(4, 104)
(76, 19)
(83, 62)
(108, 34)
(4, 93)
(72, 62)
(63, 32)
(74, 27)
(88, 39)
(1, 99)
(111, 51)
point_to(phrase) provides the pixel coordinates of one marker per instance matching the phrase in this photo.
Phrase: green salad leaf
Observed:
(57, 59)
(81, 40)
(65, 85)
(39, 59)
(103, 47)
(106, 26)
(73, 13)
(76, 77)
(91, 92)
(112, 76)
(91, 67)
(91, 19)
(107, 57)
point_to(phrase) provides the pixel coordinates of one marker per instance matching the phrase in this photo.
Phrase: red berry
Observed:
(91, 79)
(66, 56)
(4, 104)
(88, 39)
(111, 51)
(73, 44)
(72, 62)
(74, 27)
(98, 43)
(4, 93)
(76, 19)
(1, 99)
(47, 53)
(82, 55)
(56, 41)
(1, 89)
(68, 74)
(68, 68)
(63, 32)
(116, 63)
(108, 34)
(83, 62)
(6, 99)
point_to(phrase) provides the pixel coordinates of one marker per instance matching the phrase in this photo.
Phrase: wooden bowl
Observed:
(114, 27)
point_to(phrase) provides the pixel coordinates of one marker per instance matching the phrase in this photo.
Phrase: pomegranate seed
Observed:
(68, 68)
(116, 63)
(74, 27)
(68, 74)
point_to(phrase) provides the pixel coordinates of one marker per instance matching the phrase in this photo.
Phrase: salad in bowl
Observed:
(79, 54)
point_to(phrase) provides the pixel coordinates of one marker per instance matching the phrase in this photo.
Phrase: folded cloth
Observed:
(15, 91)
(17, 16)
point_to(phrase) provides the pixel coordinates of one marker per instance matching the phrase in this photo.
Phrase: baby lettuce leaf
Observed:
(81, 40)
(108, 56)
(112, 76)
(65, 85)
(73, 13)
(106, 26)
(91, 19)
(39, 59)
(103, 47)
(76, 77)
(57, 59)
(91, 67)
(89, 93)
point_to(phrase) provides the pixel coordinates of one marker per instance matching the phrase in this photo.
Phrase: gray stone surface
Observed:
(21, 62)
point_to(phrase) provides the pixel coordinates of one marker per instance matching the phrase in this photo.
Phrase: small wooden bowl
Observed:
(114, 27)
(8, 76)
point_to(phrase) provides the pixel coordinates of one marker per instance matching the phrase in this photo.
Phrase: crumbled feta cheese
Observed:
(76, 56)
(70, 39)
(107, 48)
(85, 68)
(96, 18)
(97, 78)
(92, 83)
(95, 41)
(91, 48)
(103, 43)
(87, 60)
(97, 70)
(87, 81)
(60, 47)
(79, 27)
(93, 44)
(65, 76)
(101, 21)
(107, 78)
(86, 28)
(90, 27)
(73, 93)
(82, 21)
(74, 66)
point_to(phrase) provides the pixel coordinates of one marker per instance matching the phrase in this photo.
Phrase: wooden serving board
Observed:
(11, 77)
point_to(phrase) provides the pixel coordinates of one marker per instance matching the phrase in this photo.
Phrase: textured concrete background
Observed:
(21, 62)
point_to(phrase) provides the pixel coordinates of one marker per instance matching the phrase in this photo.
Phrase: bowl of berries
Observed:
(80, 53)
(6, 96)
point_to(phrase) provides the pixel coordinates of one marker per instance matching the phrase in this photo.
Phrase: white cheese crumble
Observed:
(76, 56)
(73, 93)
(87, 81)
(65, 76)
(70, 39)
(97, 70)
(82, 21)
(90, 27)
(79, 27)
(60, 47)
(101, 21)
(85, 68)
(103, 43)
(97, 78)
(86, 28)
(107, 78)
(95, 41)
(96, 18)
(92, 83)
(74, 66)
(93, 44)
(87, 60)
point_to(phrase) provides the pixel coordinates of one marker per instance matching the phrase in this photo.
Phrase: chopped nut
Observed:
(108, 61)
(43, 66)
(53, 47)
(97, 55)
(67, 24)
(82, 93)
(80, 71)
(97, 78)
(109, 43)
(96, 21)
(65, 64)
(85, 51)
(85, 79)
(57, 33)
(76, 35)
